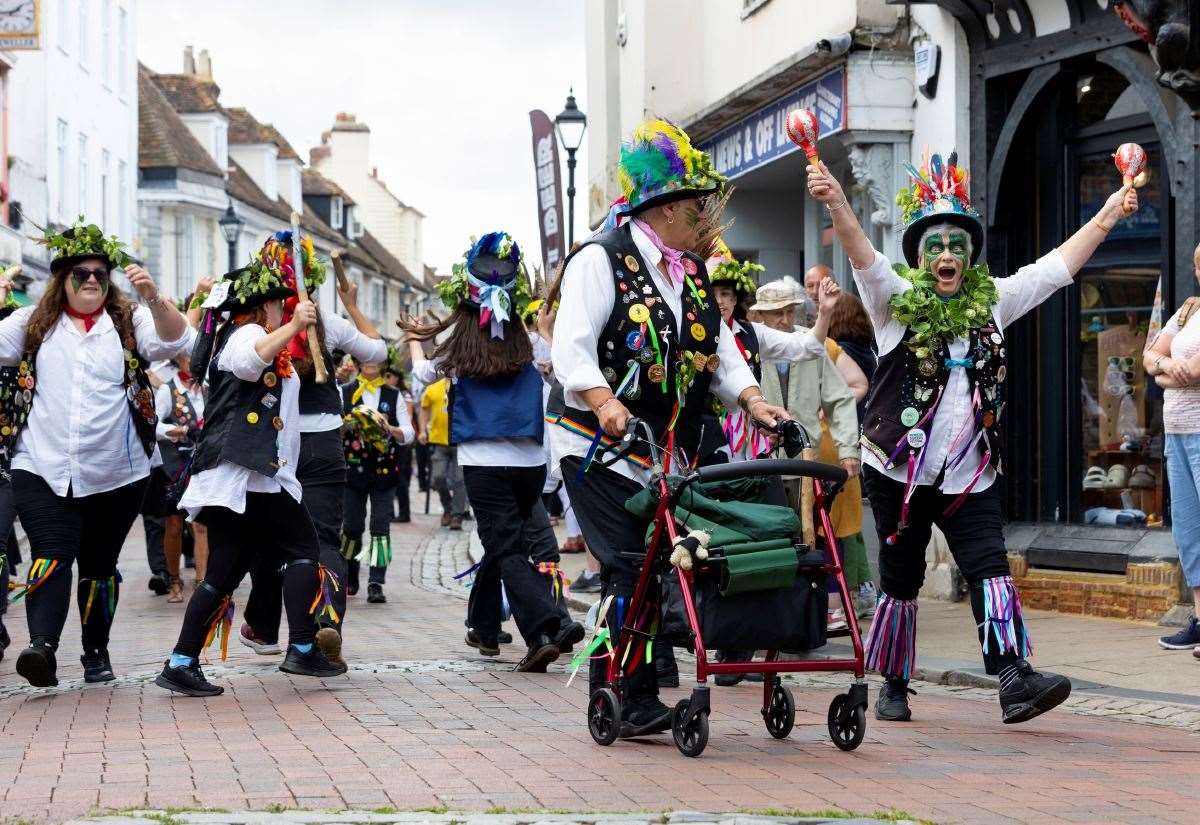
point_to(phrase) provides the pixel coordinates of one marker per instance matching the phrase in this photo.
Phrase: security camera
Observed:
(836, 46)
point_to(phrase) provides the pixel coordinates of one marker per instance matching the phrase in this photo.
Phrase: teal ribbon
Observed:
(494, 301)
(965, 363)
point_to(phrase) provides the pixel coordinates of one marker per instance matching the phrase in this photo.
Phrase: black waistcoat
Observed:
(241, 418)
(688, 355)
(366, 466)
(909, 382)
(315, 398)
(183, 414)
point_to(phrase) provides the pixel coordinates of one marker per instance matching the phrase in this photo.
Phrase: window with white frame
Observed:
(122, 47)
(378, 300)
(336, 211)
(81, 25)
(83, 174)
(60, 192)
(64, 19)
(105, 188)
(220, 143)
(106, 45)
(354, 229)
(124, 230)
(185, 265)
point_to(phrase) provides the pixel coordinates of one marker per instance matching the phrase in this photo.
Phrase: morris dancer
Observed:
(932, 436)
(83, 429)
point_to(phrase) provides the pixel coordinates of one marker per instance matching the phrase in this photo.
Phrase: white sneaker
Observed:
(866, 599)
(836, 620)
(246, 636)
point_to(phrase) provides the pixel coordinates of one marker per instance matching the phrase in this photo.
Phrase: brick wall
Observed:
(1145, 593)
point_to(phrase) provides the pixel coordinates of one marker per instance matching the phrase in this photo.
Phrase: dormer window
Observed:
(354, 229)
(336, 212)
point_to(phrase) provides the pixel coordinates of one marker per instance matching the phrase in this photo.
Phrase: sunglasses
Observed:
(81, 274)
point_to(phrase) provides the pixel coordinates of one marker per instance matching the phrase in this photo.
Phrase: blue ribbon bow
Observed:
(495, 299)
(965, 363)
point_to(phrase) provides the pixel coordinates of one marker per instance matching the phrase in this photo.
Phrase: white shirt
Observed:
(588, 294)
(370, 399)
(80, 435)
(226, 484)
(1021, 292)
(164, 403)
(486, 452)
(342, 335)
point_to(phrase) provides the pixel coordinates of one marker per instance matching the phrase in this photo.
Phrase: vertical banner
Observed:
(549, 192)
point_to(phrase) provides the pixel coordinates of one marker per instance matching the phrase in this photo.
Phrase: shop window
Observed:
(1122, 431)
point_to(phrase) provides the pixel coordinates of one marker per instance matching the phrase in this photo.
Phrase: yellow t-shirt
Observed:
(435, 399)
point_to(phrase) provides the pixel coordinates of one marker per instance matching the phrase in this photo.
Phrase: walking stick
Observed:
(339, 270)
(314, 346)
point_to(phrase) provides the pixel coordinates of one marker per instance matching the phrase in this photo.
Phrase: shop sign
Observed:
(761, 137)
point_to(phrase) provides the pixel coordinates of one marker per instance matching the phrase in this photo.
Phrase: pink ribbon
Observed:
(673, 257)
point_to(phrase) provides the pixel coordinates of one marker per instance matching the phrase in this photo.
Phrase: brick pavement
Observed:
(422, 722)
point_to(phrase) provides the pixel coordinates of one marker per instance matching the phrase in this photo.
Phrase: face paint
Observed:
(958, 247)
(81, 274)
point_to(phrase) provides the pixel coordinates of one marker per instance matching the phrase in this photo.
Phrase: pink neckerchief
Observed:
(673, 257)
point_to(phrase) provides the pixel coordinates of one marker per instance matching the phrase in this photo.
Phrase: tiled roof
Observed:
(244, 128)
(163, 138)
(188, 93)
(313, 182)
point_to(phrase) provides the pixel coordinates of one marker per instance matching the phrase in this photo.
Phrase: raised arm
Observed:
(1079, 248)
(349, 297)
(824, 188)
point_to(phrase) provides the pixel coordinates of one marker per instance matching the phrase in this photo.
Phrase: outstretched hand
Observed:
(1120, 204)
(823, 186)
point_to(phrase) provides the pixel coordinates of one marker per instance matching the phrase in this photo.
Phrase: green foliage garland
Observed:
(86, 239)
(930, 318)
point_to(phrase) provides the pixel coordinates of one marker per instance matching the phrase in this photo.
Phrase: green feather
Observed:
(648, 167)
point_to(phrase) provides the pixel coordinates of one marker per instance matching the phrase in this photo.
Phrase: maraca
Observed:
(802, 129)
(1131, 161)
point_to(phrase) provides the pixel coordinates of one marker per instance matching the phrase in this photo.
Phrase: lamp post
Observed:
(231, 226)
(570, 125)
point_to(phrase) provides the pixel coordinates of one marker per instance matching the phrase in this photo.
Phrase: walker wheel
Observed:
(847, 727)
(691, 738)
(780, 716)
(604, 716)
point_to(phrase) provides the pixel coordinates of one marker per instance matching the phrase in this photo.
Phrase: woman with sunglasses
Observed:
(81, 430)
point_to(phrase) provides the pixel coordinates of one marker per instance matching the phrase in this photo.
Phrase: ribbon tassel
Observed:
(891, 646)
(221, 625)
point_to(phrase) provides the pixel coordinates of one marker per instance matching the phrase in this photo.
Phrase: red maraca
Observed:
(1130, 160)
(802, 129)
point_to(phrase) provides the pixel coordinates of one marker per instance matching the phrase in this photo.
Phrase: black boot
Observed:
(375, 594)
(37, 665)
(643, 712)
(5, 640)
(486, 647)
(313, 663)
(892, 703)
(1025, 693)
(731, 679)
(504, 638)
(542, 651)
(188, 680)
(569, 634)
(96, 666)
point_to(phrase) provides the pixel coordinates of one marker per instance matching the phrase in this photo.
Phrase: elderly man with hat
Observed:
(932, 430)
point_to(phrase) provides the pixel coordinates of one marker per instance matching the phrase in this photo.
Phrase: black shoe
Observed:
(313, 663)
(1025, 693)
(891, 705)
(97, 667)
(542, 652)
(375, 594)
(586, 583)
(485, 648)
(37, 665)
(329, 642)
(504, 637)
(5, 640)
(158, 584)
(187, 680)
(569, 634)
(667, 675)
(1187, 638)
(643, 716)
(731, 679)
(401, 519)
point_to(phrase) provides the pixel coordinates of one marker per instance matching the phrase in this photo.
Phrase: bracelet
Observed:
(830, 209)
(752, 400)
(156, 301)
(1102, 227)
(604, 404)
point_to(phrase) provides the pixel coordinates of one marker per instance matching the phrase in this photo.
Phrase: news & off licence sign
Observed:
(761, 137)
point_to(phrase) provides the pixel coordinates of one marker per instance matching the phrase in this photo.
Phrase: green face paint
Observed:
(956, 243)
(81, 274)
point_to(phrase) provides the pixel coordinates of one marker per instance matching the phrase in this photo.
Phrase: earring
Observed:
(670, 219)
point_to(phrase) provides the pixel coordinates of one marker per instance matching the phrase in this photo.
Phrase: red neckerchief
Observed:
(185, 376)
(89, 321)
(737, 339)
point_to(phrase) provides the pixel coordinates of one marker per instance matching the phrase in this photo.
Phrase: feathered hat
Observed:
(659, 164)
(491, 277)
(80, 242)
(938, 195)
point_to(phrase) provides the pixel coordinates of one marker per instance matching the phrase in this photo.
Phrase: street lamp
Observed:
(570, 125)
(231, 226)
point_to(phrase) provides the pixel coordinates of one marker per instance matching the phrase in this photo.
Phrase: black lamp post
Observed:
(231, 226)
(570, 125)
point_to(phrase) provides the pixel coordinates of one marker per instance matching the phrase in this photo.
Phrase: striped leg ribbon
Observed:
(322, 603)
(221, 624)
(351, 547)
(104, 593)
(1002, 614)
(39, 571)
(378, 553)
(891, 646)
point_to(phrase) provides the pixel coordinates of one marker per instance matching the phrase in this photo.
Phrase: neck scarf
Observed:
(89, 320)
(673, 257)
(366, 385)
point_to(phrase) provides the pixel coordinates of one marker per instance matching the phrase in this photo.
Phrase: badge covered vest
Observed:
(18, 401)
(366, 466)
(183, 414)
(661, 374)
(908, 387)
(241, 418)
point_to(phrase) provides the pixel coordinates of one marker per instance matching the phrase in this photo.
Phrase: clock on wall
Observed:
(19, 24)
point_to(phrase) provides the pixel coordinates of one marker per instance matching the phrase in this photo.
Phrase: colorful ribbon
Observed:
(221, 624)
(327, 585)
(1001, 615)
(106, 589)
(494, 301)
(39, 571)
(891, 646)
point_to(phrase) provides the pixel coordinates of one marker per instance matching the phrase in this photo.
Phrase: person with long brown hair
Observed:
(497, 425)
(81, 435)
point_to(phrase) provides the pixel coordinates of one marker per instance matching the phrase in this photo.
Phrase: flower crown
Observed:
(85, 239)
(468, 284)
(272, 266)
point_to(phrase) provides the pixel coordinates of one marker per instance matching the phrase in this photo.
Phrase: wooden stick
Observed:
(807, 502)
(339, 270)
(314, 344)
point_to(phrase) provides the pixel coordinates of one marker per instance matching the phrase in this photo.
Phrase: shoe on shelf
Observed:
(569, 634)
(175, 590)
(891, 705)
(456, 522)
(96, 666)
(375, 594)
(587, 582)
(504, 637)
(1117, 478)
(187, 680)
(37, 665)
(485, 647)
(329, 642)
(541, 652)
(262, 648)
(1094, 478)
(644, 715)
(1025, 693)
(1143, 478)
(313, 663)
(1186, 638)
(158, 584)
(445, 519)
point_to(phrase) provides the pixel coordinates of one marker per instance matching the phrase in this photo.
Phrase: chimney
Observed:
(205, 66)
(189, 61)
(345, 117)
(318, 153)
(374, 171)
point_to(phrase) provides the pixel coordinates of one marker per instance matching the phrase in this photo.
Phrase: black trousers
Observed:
(422, 458)
(156, 554)
(355, 522)
(89, 531)
(974, 534)
(8, 537)
(404, 471)
(274, 525)
(504, 499)
(321, 472)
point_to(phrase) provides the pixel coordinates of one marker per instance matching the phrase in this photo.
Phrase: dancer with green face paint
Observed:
(932, 433)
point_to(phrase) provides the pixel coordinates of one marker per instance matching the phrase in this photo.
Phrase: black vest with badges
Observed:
(748, 339)
(910, 381)
(366, 466)
(315, 398)
(652, 380)
(183, 414)
(241, 418)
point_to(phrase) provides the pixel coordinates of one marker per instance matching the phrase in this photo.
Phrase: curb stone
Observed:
(423, 818)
